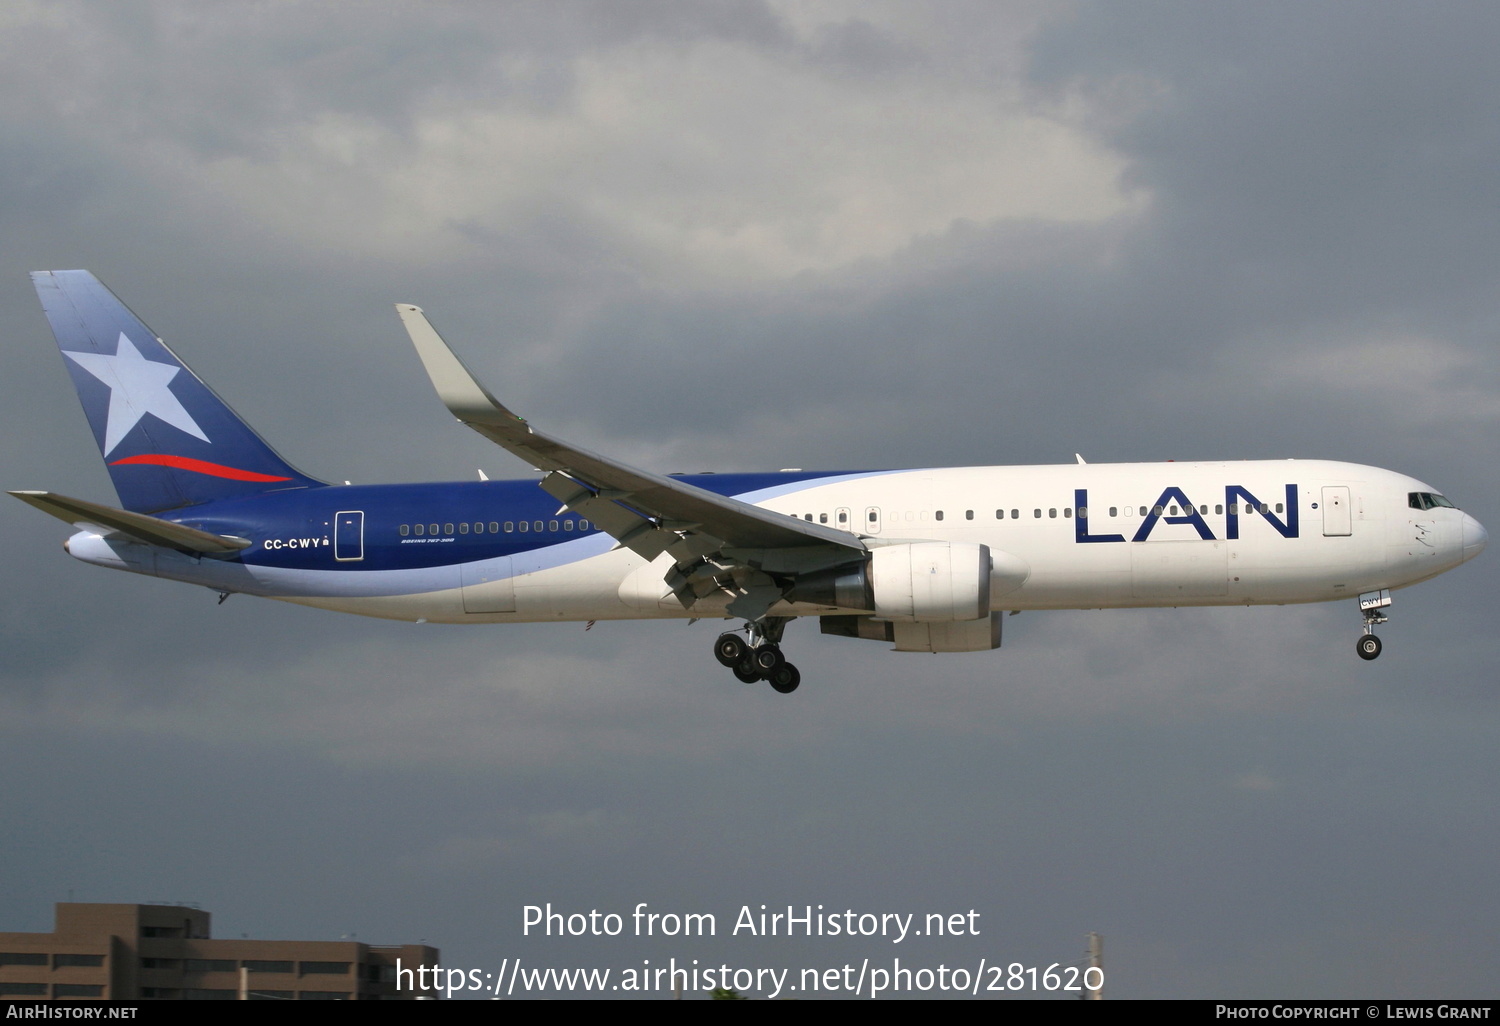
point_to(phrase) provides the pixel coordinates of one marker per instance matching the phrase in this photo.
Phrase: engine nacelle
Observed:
(924, 582)
(916, 582)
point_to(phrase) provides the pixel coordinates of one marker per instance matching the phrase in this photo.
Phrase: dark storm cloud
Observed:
(1331, 157)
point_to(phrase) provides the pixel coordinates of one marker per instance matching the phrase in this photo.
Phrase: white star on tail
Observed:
(137, 386)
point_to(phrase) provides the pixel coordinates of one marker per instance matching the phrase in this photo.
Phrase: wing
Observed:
(717, 542)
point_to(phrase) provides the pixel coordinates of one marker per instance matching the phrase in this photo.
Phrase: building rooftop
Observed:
(148, 952)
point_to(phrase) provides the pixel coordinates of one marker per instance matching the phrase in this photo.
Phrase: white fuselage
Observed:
(1154, 534)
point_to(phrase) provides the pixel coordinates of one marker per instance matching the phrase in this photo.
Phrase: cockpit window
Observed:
(1427, 500)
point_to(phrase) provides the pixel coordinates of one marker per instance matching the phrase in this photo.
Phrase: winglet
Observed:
(456, 385)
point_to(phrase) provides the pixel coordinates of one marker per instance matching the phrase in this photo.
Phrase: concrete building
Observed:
(134, 952)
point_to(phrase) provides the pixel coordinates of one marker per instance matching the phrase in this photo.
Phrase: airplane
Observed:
(927, 560)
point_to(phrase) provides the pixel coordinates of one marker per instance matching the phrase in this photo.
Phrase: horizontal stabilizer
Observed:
(151, 530)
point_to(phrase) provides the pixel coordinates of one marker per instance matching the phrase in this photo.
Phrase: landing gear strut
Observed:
(759, 657)
(1370, 604)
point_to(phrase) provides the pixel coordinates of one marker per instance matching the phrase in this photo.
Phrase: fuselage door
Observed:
(1338, 521)
(349, 535)
(488, 586)
(872, 520)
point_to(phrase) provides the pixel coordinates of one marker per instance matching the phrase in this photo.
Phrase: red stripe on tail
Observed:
(199, 466)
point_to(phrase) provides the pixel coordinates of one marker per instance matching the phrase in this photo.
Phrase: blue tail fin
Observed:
(167, 440)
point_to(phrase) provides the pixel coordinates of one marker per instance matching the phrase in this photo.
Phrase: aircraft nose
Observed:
(1474, 537)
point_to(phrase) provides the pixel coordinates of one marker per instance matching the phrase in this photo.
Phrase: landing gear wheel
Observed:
(746, 673)
(767, 659)
(730, 650)
(1368, 646)
(785, 678)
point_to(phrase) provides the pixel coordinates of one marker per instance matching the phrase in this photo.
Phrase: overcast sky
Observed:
(752, 235)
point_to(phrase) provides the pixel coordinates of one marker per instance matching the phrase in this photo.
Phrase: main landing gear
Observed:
(1370, 604)
(760, 658)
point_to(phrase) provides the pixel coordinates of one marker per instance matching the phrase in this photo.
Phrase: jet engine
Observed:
(916, 582)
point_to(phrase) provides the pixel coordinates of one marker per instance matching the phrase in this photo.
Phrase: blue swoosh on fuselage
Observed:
(306, 517)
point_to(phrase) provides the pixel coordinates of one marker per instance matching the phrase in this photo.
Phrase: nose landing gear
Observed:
(760, 657)
(1370, 604)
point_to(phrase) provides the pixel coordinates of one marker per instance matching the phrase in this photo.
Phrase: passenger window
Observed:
(1037, 514)
(939, 514)
(583, 525)
(968, 514)
(463, 528)
(1174, 509)
(1083, 512)
(872, 516)
(1114, 511)
(552, 525)
(447, 528)
(405, 530)
(536, 525)
(1067, 512)
(1052, 513)
(567, 525)
(1143, 510)
(808, 517)
(1278, 507)
(1203, 511)
(822, 518)
(1219, 508)
(479, 527)
(525, 525)
(1015, 513)
(1264, 508)
(1234, 509)
(509, 526)
(421, 530)
(999, 514)
(843, 517)
(1157, 510)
